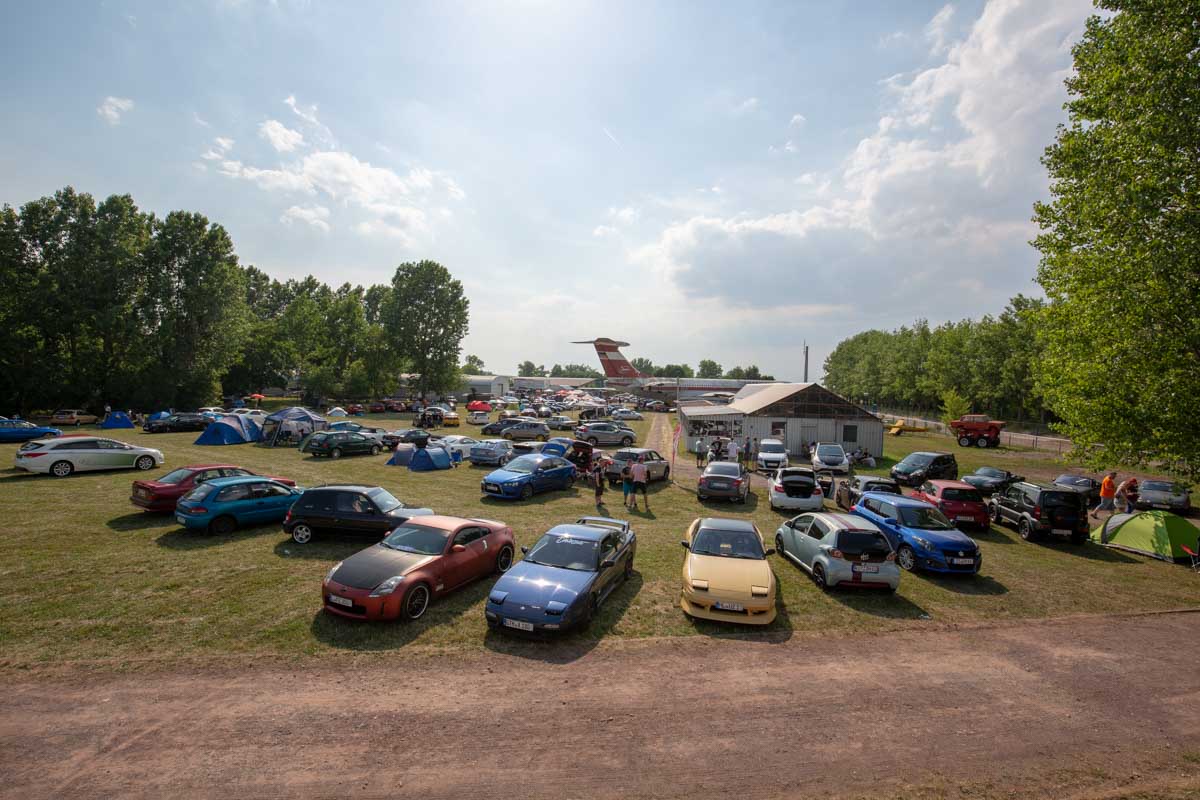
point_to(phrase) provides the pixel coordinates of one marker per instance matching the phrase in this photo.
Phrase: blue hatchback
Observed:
(920, 533)
(18, 430)
(223, 504)
(523, 476)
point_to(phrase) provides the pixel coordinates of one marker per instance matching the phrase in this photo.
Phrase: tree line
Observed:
(107, 304)
(707, 368)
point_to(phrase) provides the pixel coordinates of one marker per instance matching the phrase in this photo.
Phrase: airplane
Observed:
(618, 372)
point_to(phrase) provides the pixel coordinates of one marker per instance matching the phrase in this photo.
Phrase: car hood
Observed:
(981, 480)
(536, 584)
(729, 574)
(504, 476)
(1158, 496)
(950, 539)
(368, 568)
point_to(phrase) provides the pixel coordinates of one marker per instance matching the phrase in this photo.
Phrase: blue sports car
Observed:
(920, 533)
(564, 578)
(18, 430)
(523, 476)
(223, 504)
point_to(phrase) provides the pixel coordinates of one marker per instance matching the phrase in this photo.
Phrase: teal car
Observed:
(224, 504)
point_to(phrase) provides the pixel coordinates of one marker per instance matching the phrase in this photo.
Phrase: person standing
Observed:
(700, 451)
(598, 483)
(626, 482)
(1108, 496)
(733, 450)
(1127, 493)
(641, 476)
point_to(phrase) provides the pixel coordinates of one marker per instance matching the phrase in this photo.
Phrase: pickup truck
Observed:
(977, 430)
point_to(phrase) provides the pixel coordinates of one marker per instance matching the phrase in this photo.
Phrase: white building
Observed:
(486, 385)
(792, 412)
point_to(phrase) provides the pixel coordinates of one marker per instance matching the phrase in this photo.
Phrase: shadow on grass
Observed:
(751, 503)
(330, 548)
(142, 520)
(878, 603)
(994, 534)
(982, 585)
(572, 646)
(1089, 550)
(182, 538)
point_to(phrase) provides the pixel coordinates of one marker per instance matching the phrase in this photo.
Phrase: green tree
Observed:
(675, 371)
(708, 368)
(573, 371)
(954, 405)
(1120, 241)
(527, 369)
(473, 365)
(426, 318)
(643, 365)
(736, 374)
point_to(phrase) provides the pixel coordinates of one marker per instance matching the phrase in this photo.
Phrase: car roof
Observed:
(1040, 485)
(948, 484)
(355, 487)
(198, 467)
(726, 524)
(925, 453)
(237, 480)
(635, 450)
(590, 533)
(899, 500)
(851, 522)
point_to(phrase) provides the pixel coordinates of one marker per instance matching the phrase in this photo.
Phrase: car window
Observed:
(207, 475)
(238, 491)
(268, 489)
(962, 495)
(1013, 493)
(800, 524)
(608, 546)
(235, 472)
(888, 510)
(871, 504)
(818, 529)
(467, 535)
(73, 446)
(929, 488)
(353, 503)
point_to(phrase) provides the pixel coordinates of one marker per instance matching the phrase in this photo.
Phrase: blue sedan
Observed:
(523, 476)
(221, 505)
(18, 430)
(920, 533)
(564, 578)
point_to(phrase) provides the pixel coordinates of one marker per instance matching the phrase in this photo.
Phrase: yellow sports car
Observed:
(726, 575)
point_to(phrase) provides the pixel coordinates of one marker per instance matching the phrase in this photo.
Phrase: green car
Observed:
(336, 444)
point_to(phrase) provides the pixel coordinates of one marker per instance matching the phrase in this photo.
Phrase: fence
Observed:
(1032, 441)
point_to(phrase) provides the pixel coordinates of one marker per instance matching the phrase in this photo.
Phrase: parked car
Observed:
(492, 451)
(478, 417)
(989, 480)
(1166, 495)
(921, 535)
(395, 406)
(960, 502)
(723, 480)
(336, 444)
(458, 444)
(849, 490)
(210, 410)
(525, 475)
(1089, 487)
(222, 505)
(795, 489)
(527, 430)
(916, 468)
(605, 433)
(415, 436)
(1036, 509)
(626, 414)
(657, 467)
(480, 405)
(772, 455)
(377, 434)
(560, 423)
(347, 510)
(830, 456)
(177, 423)
(726, 574)
(73, 416)
(451, 419)
(564, 578)
(18, 430)
(500, 426)
(377, 408)
(422, 558)
(162, 494)
(839, 550)
(254, 413)
(64, 455)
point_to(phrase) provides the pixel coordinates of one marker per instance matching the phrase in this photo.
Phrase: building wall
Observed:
(868, 433)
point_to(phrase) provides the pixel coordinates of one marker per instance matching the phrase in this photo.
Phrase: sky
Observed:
(700, 179)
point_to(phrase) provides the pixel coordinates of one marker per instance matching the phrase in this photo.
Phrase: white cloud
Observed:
(224, 143)
(309, 115)
(623, 216)
(111, 109)
(937, 32)
(199, 120)
(747, 106)
(219, 150)
(316, 216)
(600, 231)
(798, 121)
(281, 137)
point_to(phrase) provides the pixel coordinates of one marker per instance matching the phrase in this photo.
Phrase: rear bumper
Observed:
(843, 576)
(153, 503)
(811, 503)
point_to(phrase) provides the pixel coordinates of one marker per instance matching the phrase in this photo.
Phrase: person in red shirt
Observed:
(1108, 496)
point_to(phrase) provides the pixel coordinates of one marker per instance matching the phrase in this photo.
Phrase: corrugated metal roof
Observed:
(754, 397)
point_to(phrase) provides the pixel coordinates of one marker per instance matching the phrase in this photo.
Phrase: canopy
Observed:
(289, 426)
(1159, 534)
(157, 415)
(231, 429)
(429, 458)
(116, 419)
(401, 455)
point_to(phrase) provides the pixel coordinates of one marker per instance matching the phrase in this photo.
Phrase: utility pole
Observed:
(806, 362)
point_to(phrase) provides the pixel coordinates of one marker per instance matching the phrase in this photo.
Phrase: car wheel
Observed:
(626, 442)
(570, 482)
(508, 436)
(590, 612)
(335, 452)
(981, 442)
(906, 558)
(1078, 538)
(526, 492)
(779, 545)
(61, 469)
(818, 576)
(628, 573)
(222, 526)
(994, 513)
(1025, 529)
(302, 534)
(964, 441)
(666, 474)
(504, 560)
(593, 441)
(144, 463)
(416, 602)
(701, 497)
(374, 449)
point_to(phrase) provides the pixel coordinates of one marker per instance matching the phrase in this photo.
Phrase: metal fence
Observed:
(1032, 441)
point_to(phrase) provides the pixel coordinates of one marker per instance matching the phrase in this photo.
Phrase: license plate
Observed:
(719, 485)
(341, 601)
(864, 567)
(1061, 531)
(518, 624)
(180, 518)
(729, 606)
(964, 519)
(962, 561)
(491, 487)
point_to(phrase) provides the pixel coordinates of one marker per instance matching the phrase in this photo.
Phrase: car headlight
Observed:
(388, 586)
(333, 569)
(497, 597)
(924, 543)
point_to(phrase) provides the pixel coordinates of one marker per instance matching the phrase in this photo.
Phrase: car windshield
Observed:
(1060, 499)
(916, 460)
(523, 465)
(625, 455)
(990, 472)
(566, 552)
(926, 518)
(199, 493)
(962, 495)
(384, 500)
(723, 469)
(175, 476)
(830, 451)
(772, 447)
(1162, 486)
(416, 539)
(730, 544)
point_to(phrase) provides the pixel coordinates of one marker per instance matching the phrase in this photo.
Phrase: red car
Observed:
(162, 494)
(423, 558)
(960, 502)
(479, 405)
(396, 406)
(377, 408)
(355, 408)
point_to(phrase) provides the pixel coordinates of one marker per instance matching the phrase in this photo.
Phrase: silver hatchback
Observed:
(839, 550)
(605, 433)
(527, 430)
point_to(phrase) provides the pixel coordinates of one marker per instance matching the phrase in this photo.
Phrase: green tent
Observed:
(1160, 534)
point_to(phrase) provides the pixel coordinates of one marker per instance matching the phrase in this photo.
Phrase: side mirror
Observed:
(684, 544)
(770, 551)
(607, 563)
(458, 548)
(524, 550)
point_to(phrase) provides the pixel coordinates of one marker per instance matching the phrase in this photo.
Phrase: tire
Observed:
(570, 482)
(416, 602)
(504, 560)
(590, 613)
(994, 514)
(818, 576)
(222, 526)
(701, 497)
(779, 545)
(302, 534)
(982, 442)
(508, 436)
(374, 449)
(626, 442)
(61, 469)
(526, 492)
(628, 571)
(144, 463)
(335, 452)
(964, 441)
(1025, 530)
(1078, 538)
(593, 441)
(906, 558)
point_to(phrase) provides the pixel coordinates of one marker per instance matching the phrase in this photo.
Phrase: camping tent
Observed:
(1160, 534)
(157, 415)
(117, 419)
(401, 455)
(231, 429)
(336, 411)
(425, 459)
(289, 426)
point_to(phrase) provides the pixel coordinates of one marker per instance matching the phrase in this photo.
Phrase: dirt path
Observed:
(1018, 706)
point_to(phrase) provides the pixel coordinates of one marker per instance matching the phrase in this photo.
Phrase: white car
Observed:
(62, 456)
(210, 410)
(254, 413)
(626, 413)
(795, 489)
(479, 417)
(458, 444)
(771, 455)
(831, 457)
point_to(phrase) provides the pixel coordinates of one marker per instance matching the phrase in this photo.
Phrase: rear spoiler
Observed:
(604, 522)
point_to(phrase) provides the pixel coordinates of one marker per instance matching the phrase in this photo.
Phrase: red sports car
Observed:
(423, 558)
(162, 494)
(960, 502)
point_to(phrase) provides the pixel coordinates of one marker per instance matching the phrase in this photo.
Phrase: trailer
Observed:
(977, 430)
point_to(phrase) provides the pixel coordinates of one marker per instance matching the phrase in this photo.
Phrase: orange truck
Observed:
(977, 430)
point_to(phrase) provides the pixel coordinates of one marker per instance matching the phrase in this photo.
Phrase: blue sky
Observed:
(703, 180)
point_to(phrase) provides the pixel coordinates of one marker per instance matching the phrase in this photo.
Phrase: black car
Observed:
(406, 435)
(499, 426)
(368, 512)
(725, 480)
(176, 423)
(916, 468)
(989, 480)
(1037, 509)
(849, 490)
(1083, 484)
(336, 444)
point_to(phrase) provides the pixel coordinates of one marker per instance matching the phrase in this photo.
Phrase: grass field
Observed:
(90, 578)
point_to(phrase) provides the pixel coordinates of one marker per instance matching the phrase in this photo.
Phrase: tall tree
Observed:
(527, 369)
(426, 318)
(644, 365)
(709, 369)
(1120, 240)
(473, 365)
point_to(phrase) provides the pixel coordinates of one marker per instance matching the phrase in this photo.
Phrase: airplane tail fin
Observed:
(612, 362)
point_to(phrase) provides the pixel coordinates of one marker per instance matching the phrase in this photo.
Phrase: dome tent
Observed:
(157, 415)
(230, 429)
(116, 419)
(402, 455)
(426, 459)
(1159, 534)
(289, 426)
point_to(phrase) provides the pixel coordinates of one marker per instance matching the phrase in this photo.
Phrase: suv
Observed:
(657, 467)
(605, 433)
(772, 455)
(176, 423)
(916, 468)
(360, 511)
(527, 430)
(336, 444)
(1037, 508)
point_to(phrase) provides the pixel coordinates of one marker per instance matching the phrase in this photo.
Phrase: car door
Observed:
(462, 566)
(1008, 503)
(656, 466)
(812, 540)
(606, 577)
(114, 455)
(795, 529)
(355, 515)
(890, 522)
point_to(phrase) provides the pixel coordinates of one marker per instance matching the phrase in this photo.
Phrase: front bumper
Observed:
(758, 610)
(839, 469)
(507, 491)
(537, 622)
(770, 465)
(943, 562)
(362, 605)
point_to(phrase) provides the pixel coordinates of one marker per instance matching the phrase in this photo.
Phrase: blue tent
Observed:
(157, 415)
(291, 425)
(402, 455)
(117, 419)
(231, 429)
(429, 458)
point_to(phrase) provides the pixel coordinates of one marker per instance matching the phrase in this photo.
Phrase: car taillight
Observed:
(1037, 512)
(817, 490)
(737, 481)
(288, 516)
(836, 553)
(30, 455)
(779, 488)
